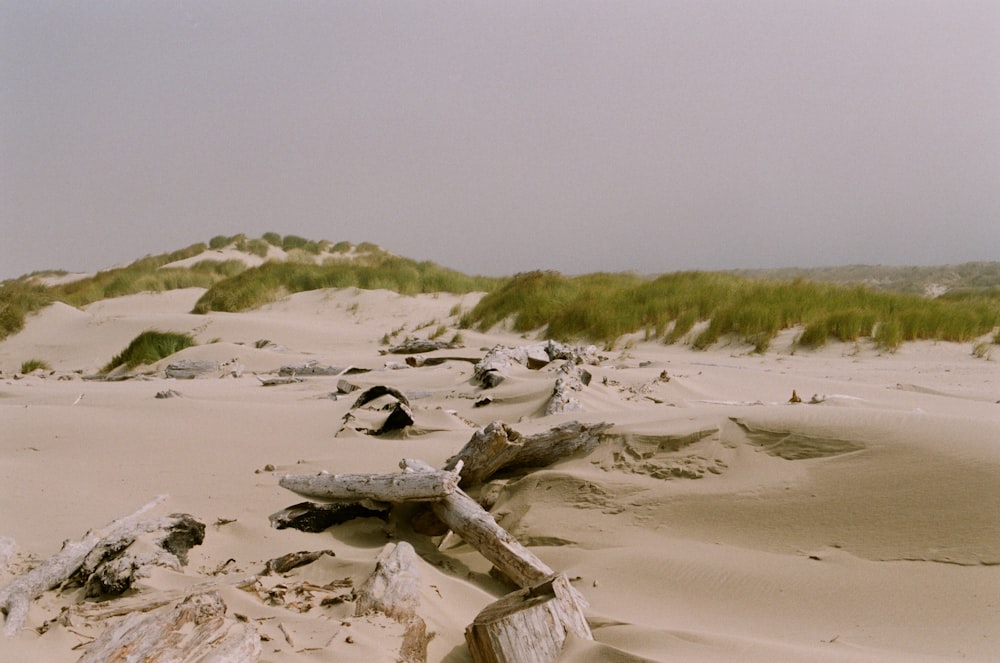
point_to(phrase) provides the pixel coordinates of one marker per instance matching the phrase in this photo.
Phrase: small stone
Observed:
(269, 468)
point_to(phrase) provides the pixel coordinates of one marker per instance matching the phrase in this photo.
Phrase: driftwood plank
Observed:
(529, 625)
(401, 487)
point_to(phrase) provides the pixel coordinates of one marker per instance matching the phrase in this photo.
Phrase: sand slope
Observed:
(716, 522)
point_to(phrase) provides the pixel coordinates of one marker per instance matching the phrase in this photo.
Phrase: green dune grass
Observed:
(603, 307)
(598, 307)
(149, 347)
(261, 285)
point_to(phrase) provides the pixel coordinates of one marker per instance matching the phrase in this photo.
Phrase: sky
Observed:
(496, 137)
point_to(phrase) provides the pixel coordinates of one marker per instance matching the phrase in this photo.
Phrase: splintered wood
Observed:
(529, 625)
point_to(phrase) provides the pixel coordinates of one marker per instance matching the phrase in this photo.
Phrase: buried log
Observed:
(419, 486)
(197, 629)
(497, 447)
(393, 589)
(16, 597)
(529, 625)
(312, 517)
(478, 528)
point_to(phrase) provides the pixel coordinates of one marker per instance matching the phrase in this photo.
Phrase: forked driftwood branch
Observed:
(16, 597)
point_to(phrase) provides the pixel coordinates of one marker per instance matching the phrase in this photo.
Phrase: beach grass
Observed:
(18, 299)
(149, 347)
(261, 285)
(30, 365)
(603, 307)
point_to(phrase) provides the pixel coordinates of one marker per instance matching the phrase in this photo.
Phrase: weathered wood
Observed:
(529, 625)
(416, 346)
(497, 447)
(189, 369)
(16, 597)
(279, 381)
(195, 630)
(496, 365)
(393, 589)
(478, 528)
(7, 548)
(145, 602)
(378, 391)
(294, 560)
(401, 487)
(311, 517)
(571, 379)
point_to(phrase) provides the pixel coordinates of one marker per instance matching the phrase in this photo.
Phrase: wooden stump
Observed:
(529, 625)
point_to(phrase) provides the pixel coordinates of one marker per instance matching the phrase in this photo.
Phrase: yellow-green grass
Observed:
(17, 300)
(149, 347)
(30, 365)
(603, 307)
(261, 285)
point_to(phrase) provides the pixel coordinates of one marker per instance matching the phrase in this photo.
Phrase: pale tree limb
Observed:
(478, 528)
(16, 597)
(405, 487)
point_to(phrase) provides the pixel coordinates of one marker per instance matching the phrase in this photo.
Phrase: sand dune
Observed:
(715, 522)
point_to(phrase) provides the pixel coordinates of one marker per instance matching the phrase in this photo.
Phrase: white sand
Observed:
(734, 527)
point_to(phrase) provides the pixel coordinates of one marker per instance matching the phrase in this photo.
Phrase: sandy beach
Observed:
(716, 521)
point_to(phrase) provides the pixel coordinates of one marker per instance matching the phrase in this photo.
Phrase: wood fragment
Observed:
(393, 589)
(529, 625)
(195, 630)
(16, 597)
(286, 563)
(7, 548)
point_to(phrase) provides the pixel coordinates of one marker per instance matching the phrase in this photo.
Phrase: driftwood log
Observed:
(497, 447)
(478, 528)
(529, 625)
(411, 486)
(16, 597)
(197, 629)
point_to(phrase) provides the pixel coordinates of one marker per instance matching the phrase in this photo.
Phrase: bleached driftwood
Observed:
(197, 629)
(498, 446)
(16, 597)
(405, 487)
(7, 548)
(529, 625)
(294, 560)
(393, 589)
(571, 379)
(495, 367)
(145, 602)
(478, 528)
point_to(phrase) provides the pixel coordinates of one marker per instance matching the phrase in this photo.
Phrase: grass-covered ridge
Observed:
(149, 347)
(603, 307)
(261, 285)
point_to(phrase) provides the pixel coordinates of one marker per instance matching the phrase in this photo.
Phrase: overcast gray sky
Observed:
(496, 137)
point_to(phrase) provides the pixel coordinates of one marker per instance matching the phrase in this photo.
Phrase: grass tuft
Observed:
(34, 365)
(149, 347)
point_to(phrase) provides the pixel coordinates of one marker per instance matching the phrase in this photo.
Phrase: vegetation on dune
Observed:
(603, 307)
(33, 365)
(261, 285)
(17, 300)
(699, 308)
(149, 347)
